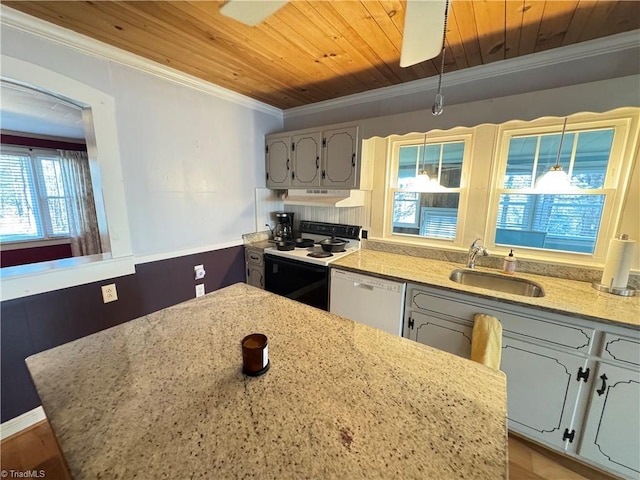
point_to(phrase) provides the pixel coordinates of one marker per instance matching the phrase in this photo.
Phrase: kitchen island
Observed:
(163, 396)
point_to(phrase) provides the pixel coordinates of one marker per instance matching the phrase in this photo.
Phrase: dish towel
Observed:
(486, 340)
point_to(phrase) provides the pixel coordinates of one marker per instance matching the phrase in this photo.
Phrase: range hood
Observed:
(322, 197)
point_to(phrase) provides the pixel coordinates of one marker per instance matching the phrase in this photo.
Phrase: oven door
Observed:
(304, 282)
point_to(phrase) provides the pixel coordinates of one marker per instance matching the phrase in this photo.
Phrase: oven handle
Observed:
(275, 260)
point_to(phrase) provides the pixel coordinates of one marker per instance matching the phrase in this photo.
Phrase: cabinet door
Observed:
(611, 434)
(255, 276)
(340, 148)
(437, 332)
(306, 160)
(278, 163)
(542, 391)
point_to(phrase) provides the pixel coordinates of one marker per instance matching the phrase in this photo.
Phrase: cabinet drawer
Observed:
(623, 349)
(529, 323)
(254, 257)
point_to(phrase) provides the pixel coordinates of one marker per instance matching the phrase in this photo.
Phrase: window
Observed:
(565, 222)
(431, 214)
(486, 187)
(33, 199)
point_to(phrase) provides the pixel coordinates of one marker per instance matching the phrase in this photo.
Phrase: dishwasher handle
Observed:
(363, 286)
(365, 281)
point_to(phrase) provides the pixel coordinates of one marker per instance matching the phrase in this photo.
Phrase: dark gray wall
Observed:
(32, 324)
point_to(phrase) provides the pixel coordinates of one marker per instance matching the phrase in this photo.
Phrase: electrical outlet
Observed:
(109, 293)
(199, 272)
(200, 290)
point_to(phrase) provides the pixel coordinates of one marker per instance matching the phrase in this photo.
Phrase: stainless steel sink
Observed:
(501, 283)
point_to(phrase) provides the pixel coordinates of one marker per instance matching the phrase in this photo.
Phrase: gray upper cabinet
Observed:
(314, 158)
(306, 149)
(278, 161)
(340, 169)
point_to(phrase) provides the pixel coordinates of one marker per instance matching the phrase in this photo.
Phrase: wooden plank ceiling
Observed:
(310, 51)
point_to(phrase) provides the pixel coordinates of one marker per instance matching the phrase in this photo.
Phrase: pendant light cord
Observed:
(438, 104)
(564, 128)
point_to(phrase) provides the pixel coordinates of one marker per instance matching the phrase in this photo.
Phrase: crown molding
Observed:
(577, 51)
(82, 43)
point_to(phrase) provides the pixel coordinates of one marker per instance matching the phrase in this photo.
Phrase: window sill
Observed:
(24, 280)
(7, 246)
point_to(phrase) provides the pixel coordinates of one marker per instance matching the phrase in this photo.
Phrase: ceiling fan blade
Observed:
(251, 12)
(423, 31)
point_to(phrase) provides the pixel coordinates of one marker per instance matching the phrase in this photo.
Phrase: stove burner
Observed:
(319, 254)
(304, 242)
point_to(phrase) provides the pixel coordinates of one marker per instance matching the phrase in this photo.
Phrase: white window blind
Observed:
(32, 195)
(560, 221)
(426, 214)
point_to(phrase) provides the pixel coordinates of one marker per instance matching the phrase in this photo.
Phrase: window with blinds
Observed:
(566, 222)
(428, 214)
(33, 200)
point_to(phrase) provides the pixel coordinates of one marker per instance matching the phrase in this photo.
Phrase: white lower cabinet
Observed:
(450, 336)
(543, 387)
(611, 434)
(572, 384)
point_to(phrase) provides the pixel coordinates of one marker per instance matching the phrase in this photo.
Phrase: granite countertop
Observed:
(163, 396)
(563, 296)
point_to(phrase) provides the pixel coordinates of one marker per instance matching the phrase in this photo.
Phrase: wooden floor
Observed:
(35, 448)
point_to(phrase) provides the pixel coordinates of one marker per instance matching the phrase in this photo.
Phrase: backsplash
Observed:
(268, 201)
(581, 274)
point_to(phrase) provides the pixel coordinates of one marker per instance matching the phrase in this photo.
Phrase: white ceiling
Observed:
(25, 110)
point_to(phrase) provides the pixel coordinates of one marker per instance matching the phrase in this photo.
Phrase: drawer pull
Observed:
(601, 390)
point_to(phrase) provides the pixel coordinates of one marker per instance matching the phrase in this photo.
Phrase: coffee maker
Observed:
(284, 227)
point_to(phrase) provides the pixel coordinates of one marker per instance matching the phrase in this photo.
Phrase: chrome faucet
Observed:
(474, 250)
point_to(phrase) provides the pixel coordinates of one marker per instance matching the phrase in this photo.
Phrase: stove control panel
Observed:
(330, 229)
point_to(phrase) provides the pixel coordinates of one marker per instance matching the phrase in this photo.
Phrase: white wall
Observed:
(190, 160)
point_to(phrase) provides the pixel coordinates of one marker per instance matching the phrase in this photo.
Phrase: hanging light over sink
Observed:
(556, 179)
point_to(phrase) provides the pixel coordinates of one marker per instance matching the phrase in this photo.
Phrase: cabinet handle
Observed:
(287, 164)
(323, 174)
(568, 435)
(582, 375)
(293, 175)
(603, 377)
(317, 163)
(353, 160)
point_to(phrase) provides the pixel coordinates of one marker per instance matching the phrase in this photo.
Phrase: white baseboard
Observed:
(21, 422)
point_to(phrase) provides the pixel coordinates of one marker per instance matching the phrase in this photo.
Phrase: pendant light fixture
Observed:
(438, 104)
(556, 179)
(423, 182)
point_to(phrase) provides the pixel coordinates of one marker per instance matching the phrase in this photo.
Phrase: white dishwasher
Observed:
(373, 301)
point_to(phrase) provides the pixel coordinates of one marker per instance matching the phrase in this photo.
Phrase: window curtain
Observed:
(81, 208)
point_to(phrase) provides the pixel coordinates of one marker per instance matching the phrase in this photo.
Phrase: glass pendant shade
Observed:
(555, 180)
(424, 183)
